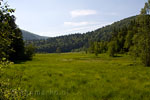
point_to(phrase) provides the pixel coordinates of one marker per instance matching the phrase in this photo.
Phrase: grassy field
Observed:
(78, 76)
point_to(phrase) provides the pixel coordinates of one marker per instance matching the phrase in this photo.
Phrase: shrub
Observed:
(29, 52)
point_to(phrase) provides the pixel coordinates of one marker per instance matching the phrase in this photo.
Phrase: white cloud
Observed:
(77, 13)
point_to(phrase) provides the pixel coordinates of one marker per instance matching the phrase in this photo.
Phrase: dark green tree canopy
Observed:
(11, 41)
(146, 9)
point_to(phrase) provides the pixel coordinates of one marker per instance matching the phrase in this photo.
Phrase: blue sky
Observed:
(61, 17)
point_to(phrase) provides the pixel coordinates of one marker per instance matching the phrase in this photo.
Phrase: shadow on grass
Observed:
(116, 56)
(21, 61)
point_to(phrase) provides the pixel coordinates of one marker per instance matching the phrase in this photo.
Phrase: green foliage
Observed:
(7, 91)
(112, 48)
(5, 30)
(29, 52)
(66, 43)
(11, 43)
(17, 45)
(146, 9)
(103, 46)
(144, 32)
(128, 40)
(98, 47)
(122, 36)
(142, 40)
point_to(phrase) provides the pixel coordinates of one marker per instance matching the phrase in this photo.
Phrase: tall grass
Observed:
(79, 76)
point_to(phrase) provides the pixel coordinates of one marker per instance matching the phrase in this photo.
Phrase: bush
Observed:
(29, 52)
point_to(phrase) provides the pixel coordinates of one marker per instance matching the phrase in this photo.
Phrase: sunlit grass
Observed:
(79, 76)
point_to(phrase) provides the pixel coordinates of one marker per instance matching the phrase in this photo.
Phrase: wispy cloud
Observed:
(78, 13)
(76, 23)
(76, 29)
(88, 28)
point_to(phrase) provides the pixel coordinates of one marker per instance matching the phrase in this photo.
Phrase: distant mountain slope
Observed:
(31, 36)
(105, 32)
(79, 41)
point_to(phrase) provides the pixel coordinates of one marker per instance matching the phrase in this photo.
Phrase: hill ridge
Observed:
(31, 36)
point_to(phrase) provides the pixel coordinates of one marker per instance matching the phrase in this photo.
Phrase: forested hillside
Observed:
(78, 42)
(133, 39)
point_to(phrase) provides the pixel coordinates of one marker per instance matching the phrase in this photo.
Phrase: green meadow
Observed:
(79, 76)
